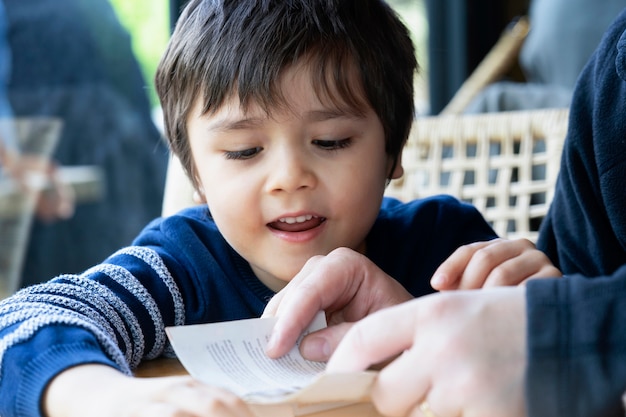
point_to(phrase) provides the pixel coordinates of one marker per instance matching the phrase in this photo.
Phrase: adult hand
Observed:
(101, 391)
(463, 352)
(493, 263)
(346, 285)
(58, 201)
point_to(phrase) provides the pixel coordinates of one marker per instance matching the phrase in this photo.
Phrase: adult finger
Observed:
(487, 259)
(319, 345)
(449, 274)
(373, 340)
(517, 270)
(401, 386)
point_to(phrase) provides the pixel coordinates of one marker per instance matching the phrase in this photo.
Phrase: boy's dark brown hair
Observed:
(225, 47)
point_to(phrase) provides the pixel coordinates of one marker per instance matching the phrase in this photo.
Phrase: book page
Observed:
(231, 355)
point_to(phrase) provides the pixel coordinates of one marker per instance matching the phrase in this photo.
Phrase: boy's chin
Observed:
(275, 280)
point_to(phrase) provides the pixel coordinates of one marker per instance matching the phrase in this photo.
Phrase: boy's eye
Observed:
(244, 154)
(332, 144)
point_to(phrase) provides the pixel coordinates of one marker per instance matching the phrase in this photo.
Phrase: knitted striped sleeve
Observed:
(124, 304)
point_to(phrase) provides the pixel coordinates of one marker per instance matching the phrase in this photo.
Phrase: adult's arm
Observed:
(576, 338)
(576, 346)
(585, 229)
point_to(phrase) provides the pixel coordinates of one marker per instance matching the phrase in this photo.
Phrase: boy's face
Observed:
(298, 183)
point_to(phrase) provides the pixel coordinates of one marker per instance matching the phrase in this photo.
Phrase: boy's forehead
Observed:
(233, 115)
(298, 87)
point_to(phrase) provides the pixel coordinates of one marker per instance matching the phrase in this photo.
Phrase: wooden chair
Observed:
(500, 59)
(178, 189)
(506, 164)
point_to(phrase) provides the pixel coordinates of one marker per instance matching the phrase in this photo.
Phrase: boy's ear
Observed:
(198, 196)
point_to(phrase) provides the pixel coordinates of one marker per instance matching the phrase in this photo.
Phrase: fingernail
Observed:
(438, 280)
(315, 349)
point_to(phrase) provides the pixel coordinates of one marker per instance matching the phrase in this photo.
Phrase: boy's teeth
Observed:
(292, 220)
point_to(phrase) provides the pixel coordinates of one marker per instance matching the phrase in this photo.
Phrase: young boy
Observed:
(289, 117)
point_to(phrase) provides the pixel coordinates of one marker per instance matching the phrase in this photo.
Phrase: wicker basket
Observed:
(506, 164)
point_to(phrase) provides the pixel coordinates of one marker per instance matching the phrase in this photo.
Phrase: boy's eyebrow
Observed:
(226, 124)
(321, 115)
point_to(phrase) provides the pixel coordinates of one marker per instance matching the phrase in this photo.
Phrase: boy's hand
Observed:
(493, 263)
(344, 284)
(101, 391)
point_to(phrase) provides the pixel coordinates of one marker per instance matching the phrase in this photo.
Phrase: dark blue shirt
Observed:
(576, 325)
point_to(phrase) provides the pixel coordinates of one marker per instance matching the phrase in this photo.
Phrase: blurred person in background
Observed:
(72, 59)
(56, 203)
(5, 64)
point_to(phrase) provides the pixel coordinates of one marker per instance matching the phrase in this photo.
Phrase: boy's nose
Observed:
(290, 172)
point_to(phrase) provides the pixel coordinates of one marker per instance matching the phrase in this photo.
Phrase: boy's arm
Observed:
(99, 391)
(105, 315)
(493, 263)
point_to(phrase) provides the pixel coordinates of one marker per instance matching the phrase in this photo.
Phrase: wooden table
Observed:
(171, 367)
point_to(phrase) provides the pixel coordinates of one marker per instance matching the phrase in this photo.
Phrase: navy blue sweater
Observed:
(180, 270)
(577, 326)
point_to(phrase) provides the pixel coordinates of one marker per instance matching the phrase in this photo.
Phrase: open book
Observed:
(231, 355)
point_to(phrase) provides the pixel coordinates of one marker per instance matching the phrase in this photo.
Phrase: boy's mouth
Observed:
(297, 224)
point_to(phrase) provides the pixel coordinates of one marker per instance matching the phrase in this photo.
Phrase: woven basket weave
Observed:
(506, 164)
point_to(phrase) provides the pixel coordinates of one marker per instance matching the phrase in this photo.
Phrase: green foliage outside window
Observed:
(148, 23)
